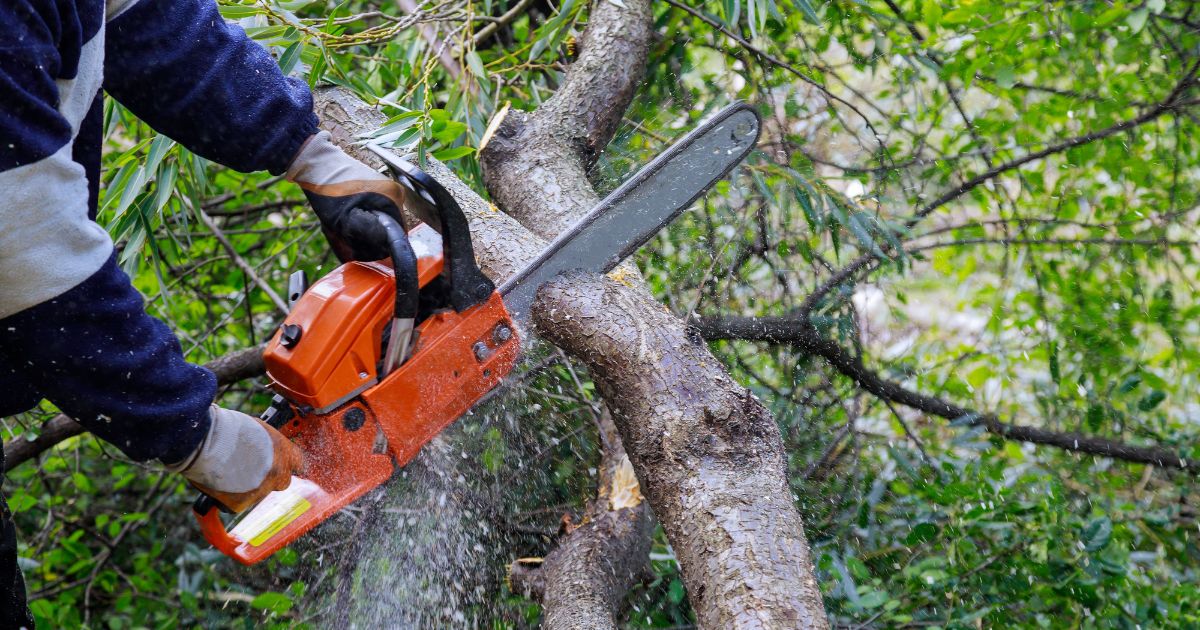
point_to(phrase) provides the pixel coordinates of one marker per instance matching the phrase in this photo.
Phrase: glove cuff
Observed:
(234, 457)
(321, 163)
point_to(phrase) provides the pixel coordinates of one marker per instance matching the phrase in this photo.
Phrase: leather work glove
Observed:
(241, 460)
(344, 192)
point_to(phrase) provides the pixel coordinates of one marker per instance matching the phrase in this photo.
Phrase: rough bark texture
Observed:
(535, 166)
(707, 453)
(587, 575)
(231, 368)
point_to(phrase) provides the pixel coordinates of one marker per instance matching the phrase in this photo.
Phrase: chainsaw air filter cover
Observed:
(328, 349)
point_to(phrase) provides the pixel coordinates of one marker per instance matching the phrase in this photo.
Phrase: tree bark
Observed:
(707, 453)
(582, 582)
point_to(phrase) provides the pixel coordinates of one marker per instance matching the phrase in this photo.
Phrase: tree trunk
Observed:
(707, 453)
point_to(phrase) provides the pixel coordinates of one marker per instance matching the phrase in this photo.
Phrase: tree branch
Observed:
(801, 334)
(708, 455)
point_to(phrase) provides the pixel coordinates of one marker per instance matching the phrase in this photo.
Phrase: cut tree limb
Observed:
(708, 454)
(801, 334)
(584, 579)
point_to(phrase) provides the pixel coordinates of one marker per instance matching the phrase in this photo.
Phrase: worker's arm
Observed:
(204, 83)
(180, 67)
(95, 353)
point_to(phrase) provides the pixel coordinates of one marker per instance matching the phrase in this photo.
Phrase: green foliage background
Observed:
(1060, 293)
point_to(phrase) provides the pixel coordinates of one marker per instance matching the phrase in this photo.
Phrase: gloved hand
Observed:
(241, 460)
(344, 192)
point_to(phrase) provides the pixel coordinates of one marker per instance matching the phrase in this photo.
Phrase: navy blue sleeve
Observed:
(31, 126)
(95, 353)
(181, 68)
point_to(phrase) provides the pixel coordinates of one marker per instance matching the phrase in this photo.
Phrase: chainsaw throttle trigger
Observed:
(404, 264)
(468, 284)
(205, 504)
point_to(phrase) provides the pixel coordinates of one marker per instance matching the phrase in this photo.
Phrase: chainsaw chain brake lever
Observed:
(468, 284)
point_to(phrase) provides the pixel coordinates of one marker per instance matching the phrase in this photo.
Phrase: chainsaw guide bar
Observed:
(374, 360)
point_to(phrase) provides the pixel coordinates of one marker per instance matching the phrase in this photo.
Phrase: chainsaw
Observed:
(374, 360)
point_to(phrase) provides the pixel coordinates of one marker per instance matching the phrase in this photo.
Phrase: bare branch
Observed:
(801, 334)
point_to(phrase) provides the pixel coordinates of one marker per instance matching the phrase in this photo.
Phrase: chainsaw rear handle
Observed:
(468, 284)
(208, 511)
(205, 504)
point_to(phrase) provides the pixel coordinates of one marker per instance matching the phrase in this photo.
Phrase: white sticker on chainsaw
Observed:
(275, 512)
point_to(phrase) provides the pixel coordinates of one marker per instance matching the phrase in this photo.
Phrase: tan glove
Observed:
(241, 460)
(345, 194)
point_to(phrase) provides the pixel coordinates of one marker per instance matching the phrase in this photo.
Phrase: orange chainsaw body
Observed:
(356, 429)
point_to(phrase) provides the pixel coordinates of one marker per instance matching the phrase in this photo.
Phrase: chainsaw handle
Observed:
(468, 284)
(404, 263)
(205, 503)
(208, 514)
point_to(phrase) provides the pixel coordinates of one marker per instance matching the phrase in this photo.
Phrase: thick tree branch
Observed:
(231, 368)
(799, 333)
(535, 166)
(582, 581)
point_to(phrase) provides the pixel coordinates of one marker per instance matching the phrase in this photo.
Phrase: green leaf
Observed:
(290, 56)
(809, 11)
(272, 601)
(675, 592)
(1006, 77)
(1137, 20)
(1097, 534)
(931, 14)
(475, 64)
(21, 501)
(453, 153)
(238, 11)
(923, 532)
(857, 568)
(1151, 400)
(1129, 384)
(873, 599)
